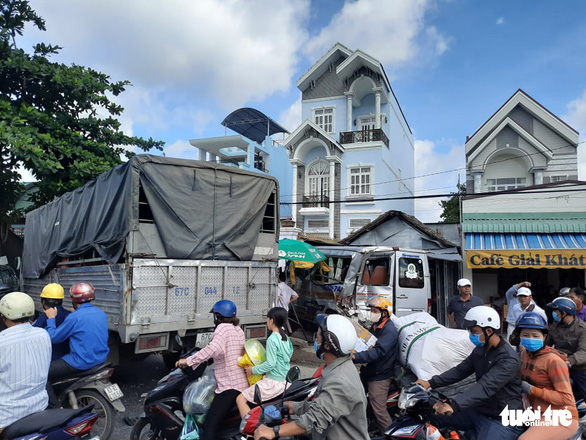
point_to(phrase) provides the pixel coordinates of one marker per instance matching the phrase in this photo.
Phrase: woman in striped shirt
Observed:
(546, 380)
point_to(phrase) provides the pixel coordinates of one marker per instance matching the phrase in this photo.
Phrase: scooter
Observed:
(92, 387)
(54, 424)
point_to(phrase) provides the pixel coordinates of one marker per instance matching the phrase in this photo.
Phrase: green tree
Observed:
(451, 207)
(57, 121)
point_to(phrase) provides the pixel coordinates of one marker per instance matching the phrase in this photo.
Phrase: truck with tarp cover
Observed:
(161, 239)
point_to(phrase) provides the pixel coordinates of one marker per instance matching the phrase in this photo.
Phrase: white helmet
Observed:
(339, 332)
(482, 316)
(17, 305)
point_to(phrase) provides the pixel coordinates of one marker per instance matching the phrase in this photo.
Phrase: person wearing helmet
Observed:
(546, 379)
(568, 335)
(226, 346)
(338, 411)
(577, 295)
(460, 304)
(498, 382)
(87, 331)
(52, 295)
(380, 360)
(25, 355)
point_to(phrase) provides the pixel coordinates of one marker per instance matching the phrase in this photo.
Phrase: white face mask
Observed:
(374, 316)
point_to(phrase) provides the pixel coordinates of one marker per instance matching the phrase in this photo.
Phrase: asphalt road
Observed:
(139, 377)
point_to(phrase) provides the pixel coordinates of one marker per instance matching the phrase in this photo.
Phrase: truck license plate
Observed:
(113, 392)
(203, 339)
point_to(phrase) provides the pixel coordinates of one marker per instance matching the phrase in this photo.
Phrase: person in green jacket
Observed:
(275, 368)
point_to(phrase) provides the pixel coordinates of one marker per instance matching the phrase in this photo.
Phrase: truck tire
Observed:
(105, 424)
(142, 431)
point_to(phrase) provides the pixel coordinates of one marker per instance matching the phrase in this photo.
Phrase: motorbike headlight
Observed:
(407, 400)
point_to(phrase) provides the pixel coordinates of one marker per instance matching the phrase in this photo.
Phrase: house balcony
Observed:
(366, 135)
(315, 205)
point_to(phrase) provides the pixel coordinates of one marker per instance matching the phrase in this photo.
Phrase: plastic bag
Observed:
(254, 354)
(198, 395)
(190, 429)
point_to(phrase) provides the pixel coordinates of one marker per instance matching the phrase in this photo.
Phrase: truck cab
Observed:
(401, 275)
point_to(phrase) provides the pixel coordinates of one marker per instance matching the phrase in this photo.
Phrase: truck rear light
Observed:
(256, 332)
(148, 343)
(428, 305)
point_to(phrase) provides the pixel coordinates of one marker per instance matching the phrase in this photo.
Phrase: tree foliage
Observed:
(57, 121)
(451, 207)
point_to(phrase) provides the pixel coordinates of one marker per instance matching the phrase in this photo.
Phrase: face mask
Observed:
(532, 344)
(375, 317)
(318, 350)
(475, 339)
(556, 317)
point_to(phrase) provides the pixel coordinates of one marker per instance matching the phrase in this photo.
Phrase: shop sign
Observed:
(527, 258)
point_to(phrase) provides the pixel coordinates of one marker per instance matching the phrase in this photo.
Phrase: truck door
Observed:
(412, 283)
(375, 278)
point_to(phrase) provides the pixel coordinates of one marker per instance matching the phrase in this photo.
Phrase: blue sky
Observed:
(451, 63)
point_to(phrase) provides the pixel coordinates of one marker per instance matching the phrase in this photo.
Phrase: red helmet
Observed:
(81, 293)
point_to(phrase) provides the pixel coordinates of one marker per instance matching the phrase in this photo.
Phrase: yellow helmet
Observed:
(381, 302)
(53, 291)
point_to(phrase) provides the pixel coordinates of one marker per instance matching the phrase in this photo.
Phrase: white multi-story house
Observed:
(353, 154)
(522, 144)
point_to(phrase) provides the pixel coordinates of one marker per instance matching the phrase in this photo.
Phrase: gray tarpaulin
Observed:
(201, 210)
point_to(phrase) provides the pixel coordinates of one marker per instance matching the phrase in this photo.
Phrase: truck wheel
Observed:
(142, 430)
(170, 359)
(105, 423)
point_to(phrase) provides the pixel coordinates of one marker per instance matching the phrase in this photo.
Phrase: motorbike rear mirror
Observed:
(257, 396)
(293, 374)
(178, 341)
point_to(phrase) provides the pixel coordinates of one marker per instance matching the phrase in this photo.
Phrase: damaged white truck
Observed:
(161, 240)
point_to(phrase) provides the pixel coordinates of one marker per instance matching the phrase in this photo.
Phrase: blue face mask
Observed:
(556, 317)
(475, 339)
(532, 344)
(318, 351)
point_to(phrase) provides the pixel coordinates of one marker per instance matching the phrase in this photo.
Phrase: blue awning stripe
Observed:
(488, 241)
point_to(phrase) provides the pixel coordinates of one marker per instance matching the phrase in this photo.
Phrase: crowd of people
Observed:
(532, 360)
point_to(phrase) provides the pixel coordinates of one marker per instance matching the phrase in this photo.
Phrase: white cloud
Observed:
(431, 158)
(231, 50)
(576, 117)
(500, 20)
(291, 117)
(182, 149)
(393, 31)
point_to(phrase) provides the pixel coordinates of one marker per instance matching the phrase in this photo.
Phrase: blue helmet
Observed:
(225, 307)
(531, 320)
(564, 304)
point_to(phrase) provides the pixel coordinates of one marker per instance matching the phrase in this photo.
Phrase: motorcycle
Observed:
(92, 387)
(54, 424)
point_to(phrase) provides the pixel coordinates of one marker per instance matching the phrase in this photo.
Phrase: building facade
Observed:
(353, 149)
(523, 217)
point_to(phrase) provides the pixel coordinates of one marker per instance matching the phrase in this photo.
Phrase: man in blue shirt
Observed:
(52, 296)
(87, 331)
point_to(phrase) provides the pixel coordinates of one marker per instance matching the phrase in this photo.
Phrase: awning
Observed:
(551, 251)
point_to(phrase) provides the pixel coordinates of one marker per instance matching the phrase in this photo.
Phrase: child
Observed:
(279, 351)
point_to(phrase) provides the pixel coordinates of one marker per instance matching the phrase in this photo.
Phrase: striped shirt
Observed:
(25, 356)
(225, 348)
(549, 375)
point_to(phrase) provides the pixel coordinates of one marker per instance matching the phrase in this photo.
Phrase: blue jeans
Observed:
(472, 422)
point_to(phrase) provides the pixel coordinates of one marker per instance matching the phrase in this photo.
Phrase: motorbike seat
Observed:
(83, 373)
(43, 421)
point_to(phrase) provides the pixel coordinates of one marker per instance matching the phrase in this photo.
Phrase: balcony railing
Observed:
(316, 201)
(367, 135)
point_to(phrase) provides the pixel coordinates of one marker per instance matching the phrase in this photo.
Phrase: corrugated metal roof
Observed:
(525, 223)
(525, 241)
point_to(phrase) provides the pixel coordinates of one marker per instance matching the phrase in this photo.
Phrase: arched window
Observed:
(317, 183)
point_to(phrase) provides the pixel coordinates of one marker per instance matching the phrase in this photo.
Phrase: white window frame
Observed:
(520, 182)
(364, 171)
(313, 180)
(320, 116)
(558, 178)
(366, 122)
